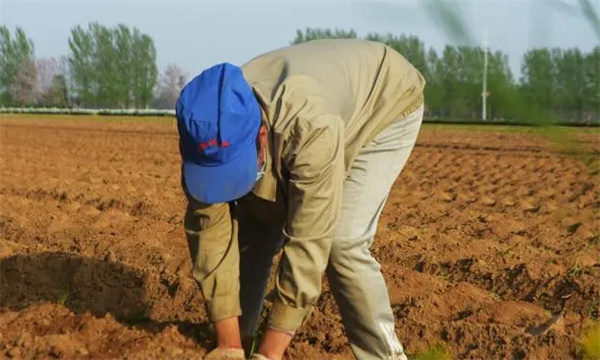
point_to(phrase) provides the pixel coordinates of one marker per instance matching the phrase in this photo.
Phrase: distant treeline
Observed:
(116, 68)
(106, 68)
(554, 84)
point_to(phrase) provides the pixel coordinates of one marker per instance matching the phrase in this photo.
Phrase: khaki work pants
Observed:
(354, 275)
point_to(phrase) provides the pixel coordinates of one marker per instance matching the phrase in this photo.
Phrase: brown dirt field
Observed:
(485, 236)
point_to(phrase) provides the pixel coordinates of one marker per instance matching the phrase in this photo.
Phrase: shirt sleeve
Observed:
(314, 158)
(211, 233)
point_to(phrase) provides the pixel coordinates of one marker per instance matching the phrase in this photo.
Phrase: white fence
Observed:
(170, 112)
(64, 111)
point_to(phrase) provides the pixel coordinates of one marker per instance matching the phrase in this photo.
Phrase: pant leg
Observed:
(355, 276)
(259, 242)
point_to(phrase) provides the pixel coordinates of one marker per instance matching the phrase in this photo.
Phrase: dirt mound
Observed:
(52, 331)
(489, 243)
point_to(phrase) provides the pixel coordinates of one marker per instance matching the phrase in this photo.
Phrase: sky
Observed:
(198, 34)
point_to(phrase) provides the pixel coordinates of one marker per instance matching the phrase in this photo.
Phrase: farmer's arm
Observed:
(315, 161)
(212, 240)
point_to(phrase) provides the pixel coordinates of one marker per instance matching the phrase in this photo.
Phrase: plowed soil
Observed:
(489, 243)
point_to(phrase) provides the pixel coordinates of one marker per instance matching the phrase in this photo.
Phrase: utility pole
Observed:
(484, 90)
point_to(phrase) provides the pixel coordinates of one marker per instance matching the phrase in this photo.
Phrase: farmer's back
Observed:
(368, 84)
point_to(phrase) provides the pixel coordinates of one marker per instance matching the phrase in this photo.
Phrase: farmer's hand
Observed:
(274, 344)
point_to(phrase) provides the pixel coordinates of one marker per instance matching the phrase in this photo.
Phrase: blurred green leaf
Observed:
(591, 16)
(447, 14)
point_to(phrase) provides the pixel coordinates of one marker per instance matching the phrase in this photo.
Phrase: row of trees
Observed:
(17, 67)
(112, 68)
(106, 68)
(116, 68)
(554, 83)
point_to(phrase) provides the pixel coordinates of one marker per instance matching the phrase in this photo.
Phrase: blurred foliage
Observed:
(590, 15)
(589, 343)
(436, 352)
(448, 15)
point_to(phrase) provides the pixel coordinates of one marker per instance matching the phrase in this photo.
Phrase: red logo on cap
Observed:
(206, 144)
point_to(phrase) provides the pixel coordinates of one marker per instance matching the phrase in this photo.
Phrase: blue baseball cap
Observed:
(218, 118)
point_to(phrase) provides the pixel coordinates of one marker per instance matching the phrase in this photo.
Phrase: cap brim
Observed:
(218, 184)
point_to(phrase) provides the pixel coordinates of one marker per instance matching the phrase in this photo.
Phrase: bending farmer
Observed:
(297, 150)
